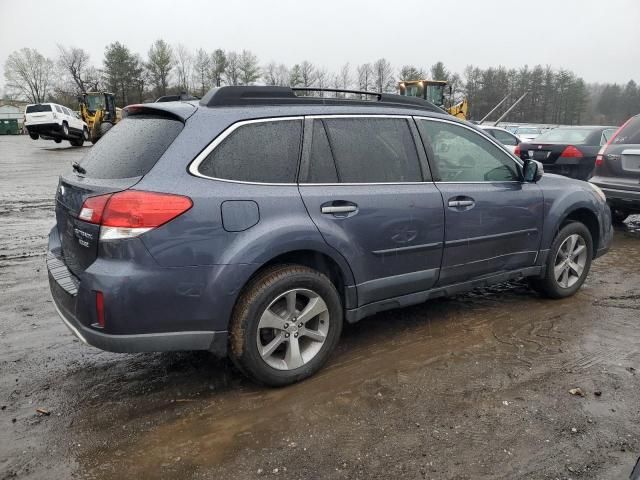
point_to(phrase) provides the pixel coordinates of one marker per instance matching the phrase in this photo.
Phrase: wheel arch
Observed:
(335, 269)
(588, 218)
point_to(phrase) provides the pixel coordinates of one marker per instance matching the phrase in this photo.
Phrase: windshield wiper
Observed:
(78, 168)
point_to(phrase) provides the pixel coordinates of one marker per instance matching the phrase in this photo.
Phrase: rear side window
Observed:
(367, 150)
(132, 147)
(265, 152)
(630, 134)
(58, 108)
(38, 108)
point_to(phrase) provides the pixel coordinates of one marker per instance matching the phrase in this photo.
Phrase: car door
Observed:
(493, 220)
(367, 188)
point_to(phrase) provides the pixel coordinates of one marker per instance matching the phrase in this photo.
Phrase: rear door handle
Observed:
(339, 209)
(461, 203)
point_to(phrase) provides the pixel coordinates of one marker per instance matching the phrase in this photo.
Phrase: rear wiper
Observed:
(78, 168)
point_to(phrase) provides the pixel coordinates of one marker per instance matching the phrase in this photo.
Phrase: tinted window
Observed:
(67, 111)
(132, 147)
(630, 134)
(373, 150)
(58, 108)
(38, 108)
(462, 155)
(257, 152)
(504, 137)
(322, 167)
(606, 135)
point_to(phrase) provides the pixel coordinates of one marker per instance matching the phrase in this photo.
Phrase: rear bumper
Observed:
(627, 199)
(147, 308)
(44, 128)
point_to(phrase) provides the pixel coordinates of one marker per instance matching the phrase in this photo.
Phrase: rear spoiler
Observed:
(176, 110)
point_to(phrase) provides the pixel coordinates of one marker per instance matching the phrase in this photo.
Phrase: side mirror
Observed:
(532, 170)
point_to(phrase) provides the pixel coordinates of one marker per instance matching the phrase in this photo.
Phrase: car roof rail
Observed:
(260, 95)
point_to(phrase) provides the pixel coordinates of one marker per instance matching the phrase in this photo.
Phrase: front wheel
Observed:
(65, 130)
(568, 262)
(285, 325)
(77, 142)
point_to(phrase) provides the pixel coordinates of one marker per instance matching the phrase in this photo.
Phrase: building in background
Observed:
(13, 109)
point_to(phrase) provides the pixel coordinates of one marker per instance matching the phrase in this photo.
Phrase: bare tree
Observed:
(409, 72)
(365, 77)
(75, 64)
(345, 76)
(218, 66)
(295, 76)
(322, 79)
(383, 75)
(184, 66)
(275, 74)
(29, 74)
(201, 67)
(160, 64)
(249, 68)
(307, 74)
(232, 70)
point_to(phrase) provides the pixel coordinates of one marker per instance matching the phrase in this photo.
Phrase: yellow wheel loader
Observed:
(434, 92)
(99, 112)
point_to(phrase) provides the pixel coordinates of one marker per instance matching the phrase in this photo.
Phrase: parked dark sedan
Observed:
(568, 151)
(617, 170)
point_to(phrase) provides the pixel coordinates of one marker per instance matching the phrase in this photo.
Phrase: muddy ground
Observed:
(471, 387)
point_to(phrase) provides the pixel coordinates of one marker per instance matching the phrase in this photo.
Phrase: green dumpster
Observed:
(9, 126)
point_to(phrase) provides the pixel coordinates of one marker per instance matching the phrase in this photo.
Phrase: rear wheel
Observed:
(57, 140)
(285, 325)
(77, 142)
(618, 216)
(34, 136)
(568, 262)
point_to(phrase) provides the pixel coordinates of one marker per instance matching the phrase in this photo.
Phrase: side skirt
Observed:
(358, 314)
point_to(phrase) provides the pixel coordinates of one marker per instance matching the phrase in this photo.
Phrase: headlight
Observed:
(599, 191)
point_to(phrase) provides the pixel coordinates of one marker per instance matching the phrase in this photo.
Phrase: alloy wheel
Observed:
(293, 329)
(570, 261)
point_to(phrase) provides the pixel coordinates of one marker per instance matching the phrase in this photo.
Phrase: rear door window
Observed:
(58, 109)
(630, 133)
(132, 147)
(365, 150)
(262, 152)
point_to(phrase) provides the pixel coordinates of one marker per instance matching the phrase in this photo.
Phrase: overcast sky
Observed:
(597, 39)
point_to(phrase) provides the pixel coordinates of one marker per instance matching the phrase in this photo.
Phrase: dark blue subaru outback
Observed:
(255, 222)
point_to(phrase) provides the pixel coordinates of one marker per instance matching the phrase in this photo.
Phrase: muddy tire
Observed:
(618, 216)
(104, 128)
(568, 262)
(285, 325)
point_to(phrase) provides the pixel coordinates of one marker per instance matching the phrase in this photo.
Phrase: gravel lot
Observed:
(472, 387)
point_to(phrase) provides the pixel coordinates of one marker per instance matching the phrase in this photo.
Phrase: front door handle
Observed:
(461, 203)
(339, 208)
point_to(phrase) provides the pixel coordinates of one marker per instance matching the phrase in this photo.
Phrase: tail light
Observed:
(600, 156)
(131, 213)
(571, 152)
(516, 151)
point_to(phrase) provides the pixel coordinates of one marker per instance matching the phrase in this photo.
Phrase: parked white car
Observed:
(505, 137)
(51, 121)
(526, 134)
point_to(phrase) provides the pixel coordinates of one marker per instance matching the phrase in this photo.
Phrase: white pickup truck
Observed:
(51, 121)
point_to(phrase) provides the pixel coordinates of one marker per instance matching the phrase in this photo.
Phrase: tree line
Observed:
(554, 96)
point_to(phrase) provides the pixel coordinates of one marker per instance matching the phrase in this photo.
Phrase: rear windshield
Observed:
(528, 131)
(38, 108)
(630, 134)
(131, 148)
(571, 135)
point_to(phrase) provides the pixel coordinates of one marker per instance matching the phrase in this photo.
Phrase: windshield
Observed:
(95, 102)
(435, 94)
(571, 135)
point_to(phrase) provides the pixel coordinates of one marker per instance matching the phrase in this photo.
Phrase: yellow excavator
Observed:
(99, 112)
(434, 92)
